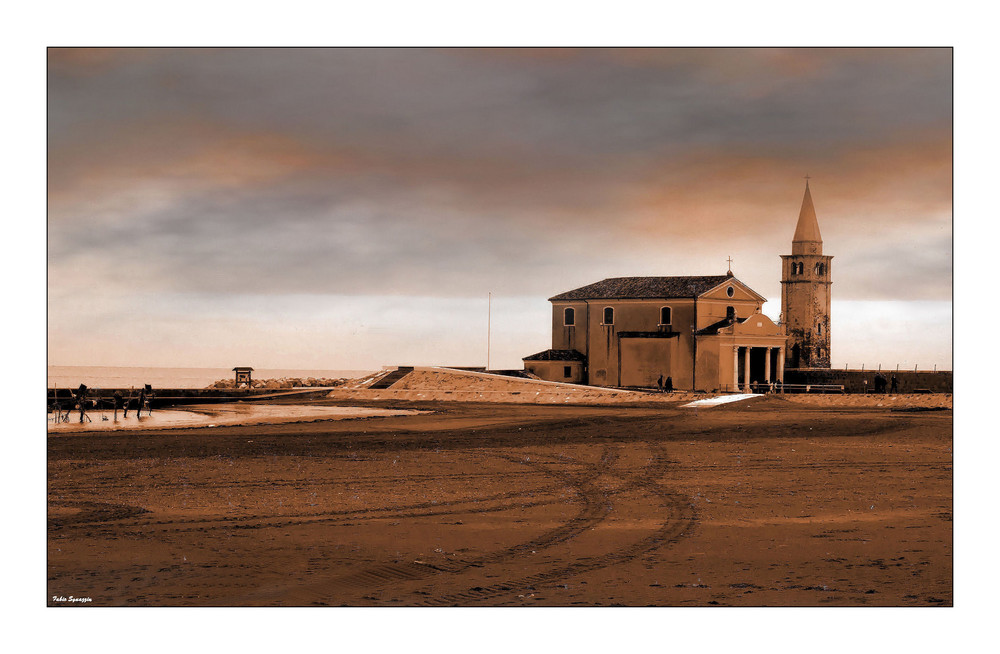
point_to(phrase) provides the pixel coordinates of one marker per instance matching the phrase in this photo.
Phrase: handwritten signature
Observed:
(62, 598)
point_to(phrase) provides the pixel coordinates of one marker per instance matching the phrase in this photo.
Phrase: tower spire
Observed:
(807, 239)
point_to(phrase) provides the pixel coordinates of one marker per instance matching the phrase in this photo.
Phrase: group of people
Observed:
(667, 385)
(883, 385)
(758, 387)
(81, 401)
(145, 402)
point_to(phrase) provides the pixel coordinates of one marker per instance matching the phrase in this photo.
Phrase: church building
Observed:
(704, 333)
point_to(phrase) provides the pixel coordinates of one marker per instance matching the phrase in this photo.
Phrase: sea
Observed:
(127, 377)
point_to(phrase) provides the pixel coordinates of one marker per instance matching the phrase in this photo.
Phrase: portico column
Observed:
(736, 367)
(781, 365)
(767, 366)
(746, 368)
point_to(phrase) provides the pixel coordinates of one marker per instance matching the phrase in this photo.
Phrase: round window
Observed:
(730, 291)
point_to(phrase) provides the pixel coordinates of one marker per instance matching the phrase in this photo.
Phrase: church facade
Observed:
(702, 332)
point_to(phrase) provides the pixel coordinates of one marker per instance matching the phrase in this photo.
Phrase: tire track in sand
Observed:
(594, 510)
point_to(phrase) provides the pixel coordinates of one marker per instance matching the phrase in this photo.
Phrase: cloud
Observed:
(451, 173)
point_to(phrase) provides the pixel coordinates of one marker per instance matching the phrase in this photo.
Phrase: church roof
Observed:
(557, 355)
(716, 326)
(807, 229)
(619, 288)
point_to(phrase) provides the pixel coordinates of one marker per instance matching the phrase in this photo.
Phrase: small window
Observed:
(819, 328)
(731, 313)
(819, 269)
(665, 315)
(609, 316)
(730, 292)
(569, 317)
(567, 372)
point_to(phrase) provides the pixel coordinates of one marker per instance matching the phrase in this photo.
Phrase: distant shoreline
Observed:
(117, 377)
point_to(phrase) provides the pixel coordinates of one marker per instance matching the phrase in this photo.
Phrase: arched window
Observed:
(731, 313)
(609, 316)
(569, 317)
(665, 315)
(801, 267)
(819, 269)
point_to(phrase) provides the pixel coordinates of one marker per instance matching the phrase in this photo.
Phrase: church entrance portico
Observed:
(759, 365)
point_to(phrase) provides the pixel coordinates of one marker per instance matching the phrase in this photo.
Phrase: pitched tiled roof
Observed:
(617, 288)
(557, 355)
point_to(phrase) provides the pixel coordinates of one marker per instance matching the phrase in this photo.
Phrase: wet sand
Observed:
(211, 415)
(770, 502)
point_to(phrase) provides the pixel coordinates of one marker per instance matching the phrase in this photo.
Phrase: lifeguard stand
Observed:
(243, 375)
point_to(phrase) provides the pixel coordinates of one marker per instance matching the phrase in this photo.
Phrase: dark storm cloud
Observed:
(592, 104)
(366, 171)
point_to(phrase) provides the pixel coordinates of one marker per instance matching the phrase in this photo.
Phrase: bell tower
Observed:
(805, 293)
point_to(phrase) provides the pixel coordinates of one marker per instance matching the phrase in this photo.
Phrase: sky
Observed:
(350, 208)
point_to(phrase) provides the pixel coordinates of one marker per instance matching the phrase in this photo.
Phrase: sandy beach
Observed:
(778, 501)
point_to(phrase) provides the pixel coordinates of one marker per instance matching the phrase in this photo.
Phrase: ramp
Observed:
(721, 399)
(392, 377)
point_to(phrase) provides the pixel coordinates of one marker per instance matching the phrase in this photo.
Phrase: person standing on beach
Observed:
(670, 385)
(81, 396)
(659, 383)
(149, 399)
(895, 384)
(142, 400)
(117, 399)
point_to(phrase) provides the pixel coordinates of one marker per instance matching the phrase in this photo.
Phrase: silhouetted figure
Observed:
(81, 396)
(118, 401)
(895, 384)
(659, 383)
(149, 399)
(142, 400)
(669, 385)
(777, 386)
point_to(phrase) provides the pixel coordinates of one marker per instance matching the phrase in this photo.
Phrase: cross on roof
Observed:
(730, 261)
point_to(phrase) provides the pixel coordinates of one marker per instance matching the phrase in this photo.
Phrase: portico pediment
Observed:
(757, 324)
